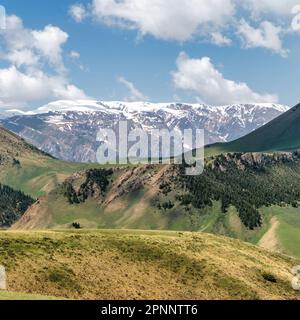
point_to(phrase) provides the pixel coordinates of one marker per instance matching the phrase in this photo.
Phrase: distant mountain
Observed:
(281, 134)
(68, 129)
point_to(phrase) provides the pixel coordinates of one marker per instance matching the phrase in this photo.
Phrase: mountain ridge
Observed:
(98, 105)
(68, 129)
(282, 134)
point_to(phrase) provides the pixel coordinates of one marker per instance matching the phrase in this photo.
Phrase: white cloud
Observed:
(202, 78)
(278, 7)
(17, 88)
(185, 20)
(295, 25)
(178, 20)
(23, 57)
(30, 54)
(63, 90)
(134, 93)
(220, 40)
(266, 36)
(49, 42)
(15, 36)
(78, 12)
(75, 56)
(28, 47)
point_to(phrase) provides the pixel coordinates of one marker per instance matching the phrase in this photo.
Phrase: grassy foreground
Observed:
(142, 265)
(11, 296)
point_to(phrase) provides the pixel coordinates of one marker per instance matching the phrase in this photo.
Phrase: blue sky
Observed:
(120, 55)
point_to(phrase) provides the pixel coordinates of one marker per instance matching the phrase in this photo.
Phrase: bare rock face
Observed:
(87, 184)
(251, 160)
(68, 129)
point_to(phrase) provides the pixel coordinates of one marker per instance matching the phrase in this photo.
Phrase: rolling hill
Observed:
(142, 265)
(225, 199)
(228, 199)
(26, 168)
(26, 173)
(250, 196)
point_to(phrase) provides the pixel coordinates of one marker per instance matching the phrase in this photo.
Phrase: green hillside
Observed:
(227, 199)
(142, 265)
(281, 134)
(253, 197)
(24, 167)
(162, 198)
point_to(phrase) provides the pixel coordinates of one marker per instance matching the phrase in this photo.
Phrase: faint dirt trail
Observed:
(269, 240)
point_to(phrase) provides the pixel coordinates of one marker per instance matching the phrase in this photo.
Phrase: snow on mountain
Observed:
(106, 106)
(68, 129)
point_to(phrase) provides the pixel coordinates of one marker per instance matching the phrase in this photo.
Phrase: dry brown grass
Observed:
(269, 240)
(142, 265)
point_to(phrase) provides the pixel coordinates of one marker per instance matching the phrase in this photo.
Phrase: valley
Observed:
(195, 225)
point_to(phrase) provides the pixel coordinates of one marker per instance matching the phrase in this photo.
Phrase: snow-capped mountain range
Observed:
(68, 129)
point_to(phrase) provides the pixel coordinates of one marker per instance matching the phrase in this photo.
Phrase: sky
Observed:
(198, 51)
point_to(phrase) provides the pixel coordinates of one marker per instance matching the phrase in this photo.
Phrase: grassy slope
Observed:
(38, 175)
(4, 295)
(137, 211)
(141, 265)
(281, 134)
(37, 172)
(288, 232)
(132, 211)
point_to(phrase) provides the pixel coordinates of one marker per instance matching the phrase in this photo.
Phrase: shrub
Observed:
(269, 277)
(76, 225)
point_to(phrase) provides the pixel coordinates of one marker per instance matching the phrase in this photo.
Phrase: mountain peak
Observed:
(67, 129)
(141, 106)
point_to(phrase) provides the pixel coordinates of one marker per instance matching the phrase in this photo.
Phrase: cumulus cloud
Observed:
(22, 57)
(28, 47)
(30, 53)
(78, 12)
(265, 36)
(278, 7)
(17, 88)
(178, 20)
(134, 93)
(49, 42)
(185, 20)
(201, 77)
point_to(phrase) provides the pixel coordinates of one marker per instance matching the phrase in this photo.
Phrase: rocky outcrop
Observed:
(88, 184)
(251, 160)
